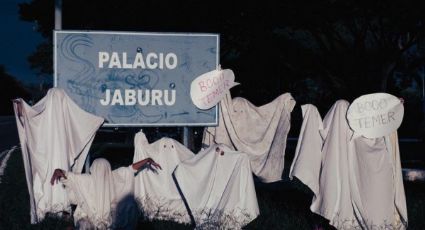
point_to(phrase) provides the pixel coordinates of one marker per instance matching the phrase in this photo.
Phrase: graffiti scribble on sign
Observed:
(136, 78)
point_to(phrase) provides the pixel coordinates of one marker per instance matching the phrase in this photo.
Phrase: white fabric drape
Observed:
(221, 185)
(155, 189)
(308, 157)
(260, 132)
(219, 188)
(54, 133)
(98, 193)
(333, 200)
(377, 185)
(359, 182)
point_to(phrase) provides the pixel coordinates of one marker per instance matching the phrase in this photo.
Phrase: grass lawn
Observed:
(283, 205)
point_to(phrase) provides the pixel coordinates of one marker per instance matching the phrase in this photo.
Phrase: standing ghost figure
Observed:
(357, 182)
(260, 132)
(218, 186)
(54, 133)
(157, 192)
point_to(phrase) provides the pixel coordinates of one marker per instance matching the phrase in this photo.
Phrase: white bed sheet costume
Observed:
(357, 182)
(221, 186)
(260, 132)
(156, 189)
(103, 197)
(54, 133)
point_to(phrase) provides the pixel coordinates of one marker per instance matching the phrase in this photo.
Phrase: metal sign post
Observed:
(186, 137)
(58, 14)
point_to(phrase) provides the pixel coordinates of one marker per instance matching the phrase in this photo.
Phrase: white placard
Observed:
(375, 115)
(209, 88)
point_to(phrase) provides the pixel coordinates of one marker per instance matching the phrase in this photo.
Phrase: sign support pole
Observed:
(58, 26)
(186, 137)
(58, 14)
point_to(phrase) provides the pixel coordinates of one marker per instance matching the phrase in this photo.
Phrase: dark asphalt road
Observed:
(8, 133)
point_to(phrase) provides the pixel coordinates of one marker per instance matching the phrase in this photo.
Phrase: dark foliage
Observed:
(11, 89)
(320, 51)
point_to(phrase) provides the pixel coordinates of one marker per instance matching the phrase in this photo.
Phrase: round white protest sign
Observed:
(375, 115)
(209, 88)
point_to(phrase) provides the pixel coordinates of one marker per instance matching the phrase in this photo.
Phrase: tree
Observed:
(41, 13)
(348, 47)
(11, 89)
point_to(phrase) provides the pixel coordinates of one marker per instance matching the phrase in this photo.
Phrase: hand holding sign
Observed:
(375, 115)
(209, 88)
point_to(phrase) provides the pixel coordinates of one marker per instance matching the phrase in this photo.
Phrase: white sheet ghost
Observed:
(357, 182)
(54, 133)
(219, 188)
(156, 190)
(260, 132)
(221, 185)
(101, 196)
(308, 153)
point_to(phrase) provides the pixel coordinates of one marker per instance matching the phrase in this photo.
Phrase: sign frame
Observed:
(178, 34)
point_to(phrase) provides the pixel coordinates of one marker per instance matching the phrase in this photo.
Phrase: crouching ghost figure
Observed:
(104, 198)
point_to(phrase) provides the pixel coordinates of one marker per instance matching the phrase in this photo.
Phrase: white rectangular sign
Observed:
(136, 79)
